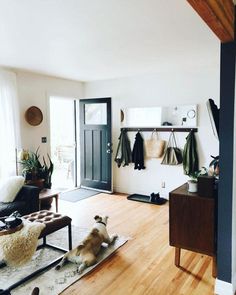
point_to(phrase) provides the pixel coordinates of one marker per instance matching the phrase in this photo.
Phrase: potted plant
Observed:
(34, 172)
(214, 167)
(192, 183)
(46, 172)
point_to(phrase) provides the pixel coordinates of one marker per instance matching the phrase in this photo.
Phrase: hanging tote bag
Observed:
(154, 147)
(173, 155)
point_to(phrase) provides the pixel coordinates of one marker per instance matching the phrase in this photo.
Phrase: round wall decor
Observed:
(191, 114)
(33, 116)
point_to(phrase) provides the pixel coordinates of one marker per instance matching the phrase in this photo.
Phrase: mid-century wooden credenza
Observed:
(192, 223)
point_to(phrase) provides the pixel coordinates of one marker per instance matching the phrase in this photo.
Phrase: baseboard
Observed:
(118, 189)
(97, 190)
(223, 288)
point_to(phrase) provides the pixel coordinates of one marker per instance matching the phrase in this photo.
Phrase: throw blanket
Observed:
(18, 248)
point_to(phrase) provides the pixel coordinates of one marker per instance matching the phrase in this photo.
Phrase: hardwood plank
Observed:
(218, 15)
(144, 265)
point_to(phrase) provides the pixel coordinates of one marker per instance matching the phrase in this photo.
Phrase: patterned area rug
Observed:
(53, 282)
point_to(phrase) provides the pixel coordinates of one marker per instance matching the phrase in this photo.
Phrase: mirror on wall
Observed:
(177, 115)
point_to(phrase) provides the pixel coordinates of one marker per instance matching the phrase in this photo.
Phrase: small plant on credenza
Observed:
(192, 183)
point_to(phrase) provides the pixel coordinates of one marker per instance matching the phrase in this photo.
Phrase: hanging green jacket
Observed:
(190, 155)
(123, 154)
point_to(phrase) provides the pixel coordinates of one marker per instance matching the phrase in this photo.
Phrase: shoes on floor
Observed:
(155, 198)
(152, 198)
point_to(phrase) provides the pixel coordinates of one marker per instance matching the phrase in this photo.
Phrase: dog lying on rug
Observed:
(85, 253)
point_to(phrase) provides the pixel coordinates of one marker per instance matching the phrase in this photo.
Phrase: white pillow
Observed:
(10, 187)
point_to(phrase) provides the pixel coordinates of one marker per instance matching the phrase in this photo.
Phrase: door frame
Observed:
(108, 101)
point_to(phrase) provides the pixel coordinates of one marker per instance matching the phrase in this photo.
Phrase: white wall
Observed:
(182, 87)
(178, 87)
(34, 90)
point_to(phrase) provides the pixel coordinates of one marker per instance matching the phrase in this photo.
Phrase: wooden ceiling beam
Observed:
(218, 15)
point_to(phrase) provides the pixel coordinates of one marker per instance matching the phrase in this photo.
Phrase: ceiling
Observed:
(103, 39)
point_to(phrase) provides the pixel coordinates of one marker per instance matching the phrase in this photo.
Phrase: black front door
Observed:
(95, 143)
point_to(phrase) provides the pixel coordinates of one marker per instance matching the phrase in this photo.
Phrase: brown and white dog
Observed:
(85, 253)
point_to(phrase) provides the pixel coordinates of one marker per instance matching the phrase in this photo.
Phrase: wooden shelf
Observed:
(160, 129)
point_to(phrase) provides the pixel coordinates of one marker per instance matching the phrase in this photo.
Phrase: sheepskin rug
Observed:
(18, 248)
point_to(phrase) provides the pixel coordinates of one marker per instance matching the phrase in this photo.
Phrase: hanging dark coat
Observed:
(123, 153)
(138, 152)
(190, 155)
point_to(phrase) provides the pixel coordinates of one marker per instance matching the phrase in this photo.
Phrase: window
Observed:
(9, 123)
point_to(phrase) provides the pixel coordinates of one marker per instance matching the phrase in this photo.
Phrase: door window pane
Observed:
(96, 114)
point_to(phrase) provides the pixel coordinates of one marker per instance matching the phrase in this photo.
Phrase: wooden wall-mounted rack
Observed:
(160, 129)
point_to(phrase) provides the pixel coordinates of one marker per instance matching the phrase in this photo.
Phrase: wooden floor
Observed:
(145, 264)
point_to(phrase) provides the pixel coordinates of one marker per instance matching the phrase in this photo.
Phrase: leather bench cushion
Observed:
(53, 221)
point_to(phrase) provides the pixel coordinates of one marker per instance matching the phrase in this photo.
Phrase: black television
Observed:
(214, 114)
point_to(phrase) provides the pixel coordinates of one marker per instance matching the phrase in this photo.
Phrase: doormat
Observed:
(53, 282)
(77, 195)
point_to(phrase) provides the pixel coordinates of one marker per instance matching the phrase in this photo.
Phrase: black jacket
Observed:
(138, 152)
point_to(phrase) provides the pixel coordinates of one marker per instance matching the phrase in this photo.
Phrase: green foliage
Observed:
(33, 169)
(47, 171)
(214, 167)
(214, 162)
(31, 164)
(194, 175)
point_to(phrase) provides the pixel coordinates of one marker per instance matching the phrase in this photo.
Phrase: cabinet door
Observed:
(192, 223)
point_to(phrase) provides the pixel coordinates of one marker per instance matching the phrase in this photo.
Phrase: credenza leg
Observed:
(177, 256)
(214, 267)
